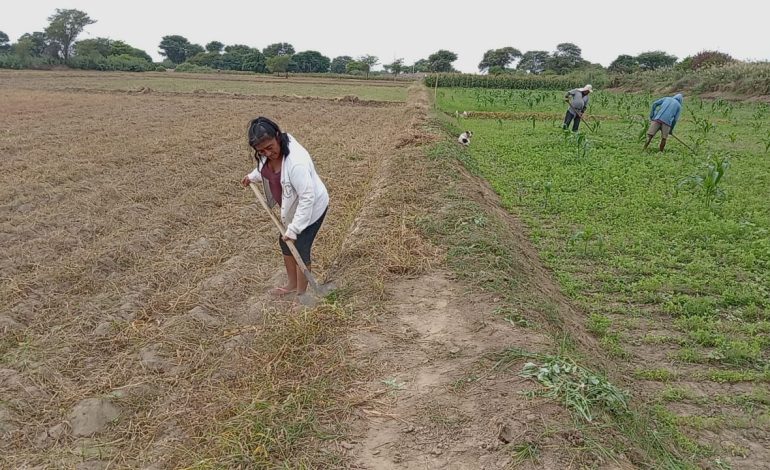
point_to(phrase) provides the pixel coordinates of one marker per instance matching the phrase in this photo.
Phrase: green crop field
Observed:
(667, 253)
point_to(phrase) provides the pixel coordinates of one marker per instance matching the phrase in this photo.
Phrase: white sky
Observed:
(414, 29)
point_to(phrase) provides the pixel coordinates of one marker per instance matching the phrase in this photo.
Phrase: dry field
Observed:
(134, 266)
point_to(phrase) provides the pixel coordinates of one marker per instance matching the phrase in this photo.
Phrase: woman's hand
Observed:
(246, 181)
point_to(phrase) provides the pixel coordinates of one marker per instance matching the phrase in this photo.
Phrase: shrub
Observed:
(192, 68)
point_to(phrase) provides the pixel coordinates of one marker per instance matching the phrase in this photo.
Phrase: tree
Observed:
(208, 59)
(279, 48)
(421, 65)
(121, 48)
(192, 50)
(624, 64)
(214, 47)
(498, 58)
(35, 43)
(279, 64)
(566, 58)
(4, 46)
(339, 64)
(533, 62)
(653, 60)
(367, 62)
(311, 62)
(175, 48)
(238, 49)
(396, 67)
(441, 61)
(93, 47)
(254, 61)
(356, 66)
(64, 27)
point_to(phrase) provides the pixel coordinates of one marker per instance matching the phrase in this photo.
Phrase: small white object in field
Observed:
(465, 138)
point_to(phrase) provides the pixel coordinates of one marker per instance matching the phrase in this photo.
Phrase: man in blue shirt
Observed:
(664, 115)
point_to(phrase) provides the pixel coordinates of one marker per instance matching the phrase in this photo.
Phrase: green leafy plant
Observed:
(709, 183)
(579, 389)
(585, 237)
(766, 141)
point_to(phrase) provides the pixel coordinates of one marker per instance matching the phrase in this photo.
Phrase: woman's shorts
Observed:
(304, 240)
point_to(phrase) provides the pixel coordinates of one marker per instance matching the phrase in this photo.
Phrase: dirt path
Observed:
(437, 400)
(442, 388)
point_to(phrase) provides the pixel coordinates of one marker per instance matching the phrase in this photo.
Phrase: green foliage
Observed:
(215, 47)
(655, 60)
(4, 43)
(339, 64)
(705, 59)
(521, 82)
(101, 53)
(193, 68)
(178, 49)
(31, 45)
(657, 375)
(123, 62)
(64, 27)
(15, 61)
(311, 62)
(709, 183)
(441, 61)
(599, 324)
(501, 58)
(278, 49)
(279, 64)
(395, 67)
(533, 62)
(624, 64)
(565, 59)
(579, 389)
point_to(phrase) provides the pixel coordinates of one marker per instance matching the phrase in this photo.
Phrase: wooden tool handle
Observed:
(290, 243)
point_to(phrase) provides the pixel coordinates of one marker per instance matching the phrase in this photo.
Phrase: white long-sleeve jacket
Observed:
(304, 195)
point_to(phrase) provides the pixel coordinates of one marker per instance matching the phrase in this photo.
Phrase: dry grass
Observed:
(172, 82)
(135, 268)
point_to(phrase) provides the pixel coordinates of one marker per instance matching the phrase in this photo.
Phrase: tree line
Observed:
(58, 44)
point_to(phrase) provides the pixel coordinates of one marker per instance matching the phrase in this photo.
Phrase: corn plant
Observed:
(566, 134)
(733, 136)
(706, 127)
(532, 119)
(643, 130)
(709, 183)
(547, 187)
(585, 237)
(581, 147)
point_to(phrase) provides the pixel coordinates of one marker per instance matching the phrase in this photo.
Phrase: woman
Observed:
(289, 179)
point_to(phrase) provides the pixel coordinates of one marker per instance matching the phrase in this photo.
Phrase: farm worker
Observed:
(663, 117)
(289, 180)
(577, 99)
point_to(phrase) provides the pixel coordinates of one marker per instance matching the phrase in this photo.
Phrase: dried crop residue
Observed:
(135, 267)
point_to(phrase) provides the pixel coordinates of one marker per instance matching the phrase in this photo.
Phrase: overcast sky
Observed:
(414, 29)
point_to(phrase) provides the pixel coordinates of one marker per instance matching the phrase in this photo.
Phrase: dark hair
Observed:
(261, 129)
